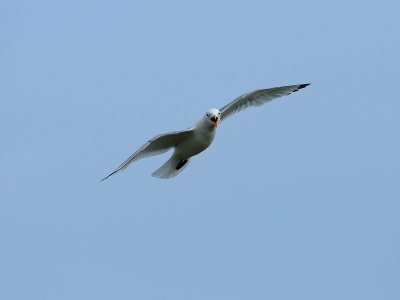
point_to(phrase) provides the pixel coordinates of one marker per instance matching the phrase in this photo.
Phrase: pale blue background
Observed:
(298, 199)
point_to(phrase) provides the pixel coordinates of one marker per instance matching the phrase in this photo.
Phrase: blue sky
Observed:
(297, 199)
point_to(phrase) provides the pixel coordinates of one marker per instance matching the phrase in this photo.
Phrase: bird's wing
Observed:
(257, 98)
(159, 144)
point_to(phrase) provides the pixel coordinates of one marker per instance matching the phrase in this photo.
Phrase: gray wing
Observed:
(159, 144)
(257, 98)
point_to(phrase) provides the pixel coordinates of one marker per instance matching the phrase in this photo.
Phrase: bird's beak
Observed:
(215, 121)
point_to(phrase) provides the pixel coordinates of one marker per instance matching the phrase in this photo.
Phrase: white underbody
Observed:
(200, 140)
(203, 134)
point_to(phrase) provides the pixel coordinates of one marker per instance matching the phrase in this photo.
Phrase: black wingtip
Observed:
(107, 176)
(302, 86)
(299, 87)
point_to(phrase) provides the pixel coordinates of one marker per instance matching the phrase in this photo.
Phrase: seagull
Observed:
(197, 138)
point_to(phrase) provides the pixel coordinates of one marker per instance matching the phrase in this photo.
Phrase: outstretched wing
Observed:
(159, 144)
(257, 98)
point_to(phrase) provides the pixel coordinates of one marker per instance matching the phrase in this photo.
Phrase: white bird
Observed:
(192, 141)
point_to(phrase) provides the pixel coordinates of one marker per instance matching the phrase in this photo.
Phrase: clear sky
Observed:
(297, 199)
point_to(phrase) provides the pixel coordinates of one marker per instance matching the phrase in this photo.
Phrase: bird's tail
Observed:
(171, 168)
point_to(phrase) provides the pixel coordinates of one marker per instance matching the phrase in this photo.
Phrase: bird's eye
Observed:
(208, 114)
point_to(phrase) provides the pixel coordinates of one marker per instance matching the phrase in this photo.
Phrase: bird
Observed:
(197, 138)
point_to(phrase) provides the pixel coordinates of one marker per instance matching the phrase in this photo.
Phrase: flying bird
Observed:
(190, 142)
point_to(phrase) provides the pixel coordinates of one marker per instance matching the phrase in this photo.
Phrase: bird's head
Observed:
(213, 116)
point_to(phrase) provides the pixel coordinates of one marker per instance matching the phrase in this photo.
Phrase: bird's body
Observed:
(200, 140)
(196, 139)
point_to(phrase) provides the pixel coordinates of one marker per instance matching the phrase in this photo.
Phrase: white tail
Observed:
(171, 168)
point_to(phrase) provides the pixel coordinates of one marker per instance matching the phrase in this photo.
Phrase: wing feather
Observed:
(257, 98)
(157, 145)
